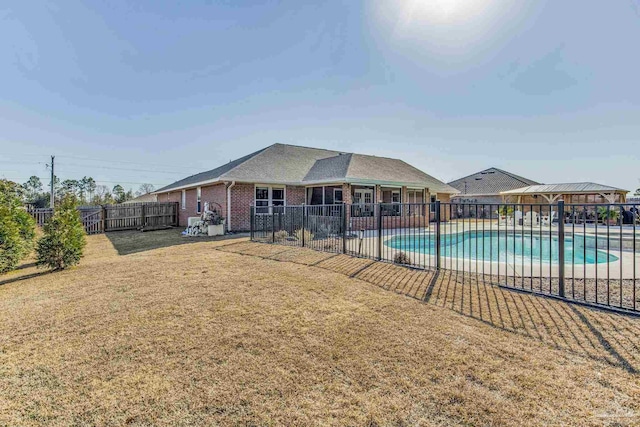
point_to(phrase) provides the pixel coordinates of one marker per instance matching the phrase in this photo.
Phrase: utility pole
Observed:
(53, 176)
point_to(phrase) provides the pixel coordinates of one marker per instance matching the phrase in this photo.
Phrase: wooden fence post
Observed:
(142, 216)
(103, 217)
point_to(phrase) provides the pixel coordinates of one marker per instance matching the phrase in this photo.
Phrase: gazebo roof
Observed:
(566, 188)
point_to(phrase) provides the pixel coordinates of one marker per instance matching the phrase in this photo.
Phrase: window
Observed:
(277, 196)
(262, 199)
(337, 195)
(183, 200)
(277, 199)
(395, 196)
(199, 199)
(269, 196)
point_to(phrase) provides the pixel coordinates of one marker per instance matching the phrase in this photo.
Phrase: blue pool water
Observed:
(494, 246)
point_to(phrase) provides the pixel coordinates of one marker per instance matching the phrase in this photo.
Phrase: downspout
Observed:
(229, 205)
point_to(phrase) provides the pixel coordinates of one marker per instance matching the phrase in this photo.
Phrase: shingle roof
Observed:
(491, 181)
(571, 187)
(294, 165)
(211, 175)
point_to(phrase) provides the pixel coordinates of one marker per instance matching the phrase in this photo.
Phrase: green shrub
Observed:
(64, 237)
(17, 228)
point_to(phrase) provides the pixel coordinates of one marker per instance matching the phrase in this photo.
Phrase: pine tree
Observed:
(119, 194)
(64, 237)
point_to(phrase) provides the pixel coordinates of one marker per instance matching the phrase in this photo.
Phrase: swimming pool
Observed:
(502, 247)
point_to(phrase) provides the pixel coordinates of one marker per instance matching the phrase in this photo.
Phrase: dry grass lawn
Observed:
(238, 333)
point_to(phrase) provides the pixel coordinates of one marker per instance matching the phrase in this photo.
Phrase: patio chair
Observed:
(531, 218)
(548, 220)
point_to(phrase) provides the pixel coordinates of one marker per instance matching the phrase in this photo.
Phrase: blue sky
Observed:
(153, 91)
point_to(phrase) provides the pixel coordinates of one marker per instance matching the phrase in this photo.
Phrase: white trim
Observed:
(183, 200)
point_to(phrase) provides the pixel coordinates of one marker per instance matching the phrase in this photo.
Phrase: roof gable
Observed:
(490, 181)
(331, 168)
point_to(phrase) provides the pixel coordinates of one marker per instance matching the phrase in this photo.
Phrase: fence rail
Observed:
(584, 253)
(127, 216)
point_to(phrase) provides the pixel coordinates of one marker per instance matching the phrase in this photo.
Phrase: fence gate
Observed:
(92, 220)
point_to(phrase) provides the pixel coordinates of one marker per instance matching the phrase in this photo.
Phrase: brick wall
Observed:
(295, 195)
(242, 198)
(212, 193)
(215, 194)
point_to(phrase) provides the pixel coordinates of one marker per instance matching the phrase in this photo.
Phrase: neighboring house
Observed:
(281, 175)
(574, 192)
(485, 187)
(144, 198)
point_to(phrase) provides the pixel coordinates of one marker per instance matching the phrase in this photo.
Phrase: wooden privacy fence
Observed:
(127, 216)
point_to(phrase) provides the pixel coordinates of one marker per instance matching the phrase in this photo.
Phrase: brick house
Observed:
(281, 175)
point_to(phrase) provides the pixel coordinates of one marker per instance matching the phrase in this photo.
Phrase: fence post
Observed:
(252, 221)
(344, 228)
(103, 215)
(142, 215)
(379, 231)
(273, 225)
(560, 248)
(304, 222)
(438, 233)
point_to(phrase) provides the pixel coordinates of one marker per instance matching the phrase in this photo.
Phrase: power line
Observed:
(127, 162)
(121, 169)
(106, 161)
(97, 181)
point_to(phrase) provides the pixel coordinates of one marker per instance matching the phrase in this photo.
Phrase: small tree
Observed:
(64, 237)
(17, 228)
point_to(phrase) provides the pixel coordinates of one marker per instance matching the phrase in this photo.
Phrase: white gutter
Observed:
(229, 205)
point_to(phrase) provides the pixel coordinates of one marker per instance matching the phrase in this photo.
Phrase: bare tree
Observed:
(145, 189)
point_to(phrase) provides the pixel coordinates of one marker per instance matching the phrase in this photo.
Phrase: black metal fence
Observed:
(584, 253)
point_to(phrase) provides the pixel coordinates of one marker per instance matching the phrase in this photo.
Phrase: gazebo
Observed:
(577, 192)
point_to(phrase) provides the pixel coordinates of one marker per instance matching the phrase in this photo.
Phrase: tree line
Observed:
(85, 191)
